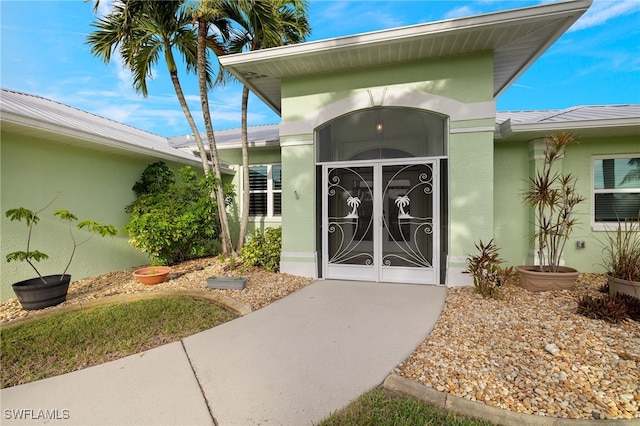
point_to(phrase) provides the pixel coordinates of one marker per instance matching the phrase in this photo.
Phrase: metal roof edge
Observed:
(393, 34)
(34, 123)
(506, 131)
(62, 105)
(575, 124)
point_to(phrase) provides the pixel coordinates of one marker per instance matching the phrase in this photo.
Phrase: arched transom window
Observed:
(382, 133)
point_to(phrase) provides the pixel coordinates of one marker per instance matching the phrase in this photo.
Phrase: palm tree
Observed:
(262, 24)
(207, 13)
(141, 31)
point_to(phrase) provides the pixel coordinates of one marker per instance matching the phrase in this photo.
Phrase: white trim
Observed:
(296, 143)
(457, 278)
(472, 129)
(253, 144)
(263, 220)
(389, 162)
(298, 255)
(407, 96)
(623, 155)
(604, 226)
(301, 269)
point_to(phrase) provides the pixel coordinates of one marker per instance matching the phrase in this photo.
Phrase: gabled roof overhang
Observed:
(516, 37)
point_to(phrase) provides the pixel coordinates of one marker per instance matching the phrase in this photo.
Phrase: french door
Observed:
(380, 221)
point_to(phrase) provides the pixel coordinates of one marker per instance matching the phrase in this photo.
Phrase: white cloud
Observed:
(104, 8)
(362, 16)
(459, 12)
(125, 79)
(121, 112)
(601, 11)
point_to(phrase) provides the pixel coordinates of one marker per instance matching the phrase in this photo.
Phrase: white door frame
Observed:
(377, 271)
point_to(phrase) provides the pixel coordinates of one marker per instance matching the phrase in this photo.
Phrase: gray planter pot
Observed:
(227, 283)
(618, 285)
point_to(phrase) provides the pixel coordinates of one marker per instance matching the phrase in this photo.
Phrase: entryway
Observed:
(380, 220)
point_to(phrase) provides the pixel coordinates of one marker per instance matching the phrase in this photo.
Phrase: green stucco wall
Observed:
(465, 78)
(93, 185)
(511, 217)
(511, 220)
(470, 193)
(298, 213)
(456, 82)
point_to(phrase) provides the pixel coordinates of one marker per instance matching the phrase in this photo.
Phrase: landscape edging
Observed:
(239, 308)
(402, 386)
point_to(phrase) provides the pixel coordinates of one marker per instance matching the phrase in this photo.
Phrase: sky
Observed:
(43, 52)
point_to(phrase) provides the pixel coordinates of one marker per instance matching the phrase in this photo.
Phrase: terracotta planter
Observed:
(228, 283)
(618, 285)
(534, 280)
(152, 274)
(34, 294)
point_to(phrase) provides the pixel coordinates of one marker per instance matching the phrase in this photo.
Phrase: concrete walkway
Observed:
(290, 363)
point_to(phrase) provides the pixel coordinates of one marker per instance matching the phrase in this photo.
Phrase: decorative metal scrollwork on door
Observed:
(408, 236)
(350, 215)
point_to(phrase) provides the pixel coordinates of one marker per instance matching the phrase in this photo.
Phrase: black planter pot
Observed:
(34, 294)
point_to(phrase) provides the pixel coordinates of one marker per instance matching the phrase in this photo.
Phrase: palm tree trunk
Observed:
(225, 234)
(244, 221)
(192, 123)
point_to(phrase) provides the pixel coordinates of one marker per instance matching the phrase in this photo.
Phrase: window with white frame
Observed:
(616, 188)
(265, 190)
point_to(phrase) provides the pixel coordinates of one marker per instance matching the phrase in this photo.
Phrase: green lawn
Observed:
(71, 341)
(376, 408)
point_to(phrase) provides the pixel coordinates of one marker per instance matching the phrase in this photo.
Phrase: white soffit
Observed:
(517, 38)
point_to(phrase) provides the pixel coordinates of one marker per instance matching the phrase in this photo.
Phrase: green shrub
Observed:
(173, 219)
(263, 249)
